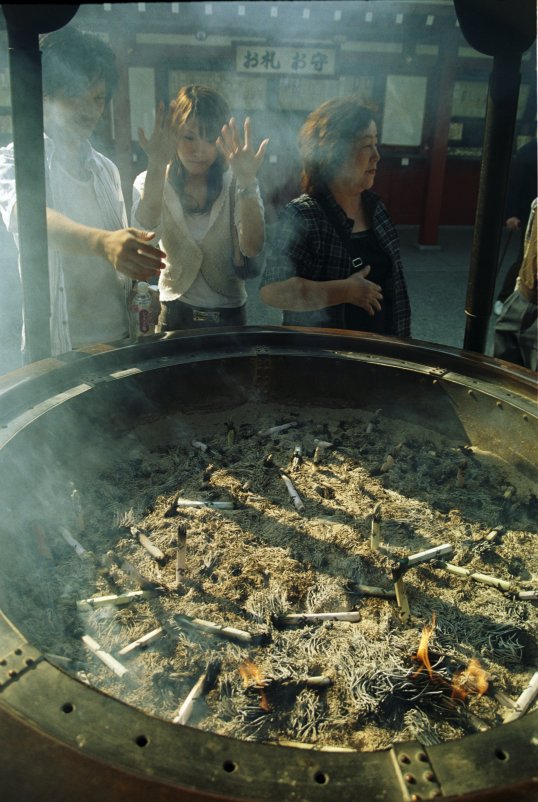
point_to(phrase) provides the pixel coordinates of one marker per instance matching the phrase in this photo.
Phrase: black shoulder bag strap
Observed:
(336, 223)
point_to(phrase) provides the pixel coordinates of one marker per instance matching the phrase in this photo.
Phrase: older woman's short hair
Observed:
(326, 138)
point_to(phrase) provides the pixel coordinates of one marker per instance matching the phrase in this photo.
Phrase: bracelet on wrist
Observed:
(249, 191)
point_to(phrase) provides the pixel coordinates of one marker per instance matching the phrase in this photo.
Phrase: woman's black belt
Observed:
(179, 315)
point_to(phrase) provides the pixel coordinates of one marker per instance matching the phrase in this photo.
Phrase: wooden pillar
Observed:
(444, 90)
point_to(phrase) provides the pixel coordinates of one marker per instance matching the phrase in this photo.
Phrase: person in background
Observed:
(516, 330)
(521, 192)
(201, 197)
(335, 260)
(93, 255)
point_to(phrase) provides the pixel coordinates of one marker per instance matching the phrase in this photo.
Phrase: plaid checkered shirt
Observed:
(304, 243)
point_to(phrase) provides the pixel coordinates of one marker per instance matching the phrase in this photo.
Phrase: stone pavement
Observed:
(437, 282)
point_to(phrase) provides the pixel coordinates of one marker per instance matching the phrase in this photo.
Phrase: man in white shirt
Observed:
(93, 256)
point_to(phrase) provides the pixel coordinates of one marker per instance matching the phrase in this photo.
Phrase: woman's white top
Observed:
(199, 248)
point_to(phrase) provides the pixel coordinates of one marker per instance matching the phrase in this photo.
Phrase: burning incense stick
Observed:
(203, 685)
(524, 701)
(297, 458)
(294, 495)
(104, 657)
(276, 429)
(68, 537)
(118, 601)
(230, 433)
(77, 510)
(181, 553)
(486, 579)
(230, 633)
(141, 642)
(212, 505)
(305, 618)
(460, 476)
(375, 534)
(144, 541)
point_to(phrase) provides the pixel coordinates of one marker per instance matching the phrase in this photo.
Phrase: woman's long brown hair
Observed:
(210, 111)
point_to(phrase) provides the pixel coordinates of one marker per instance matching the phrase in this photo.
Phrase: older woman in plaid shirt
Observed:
(334, 259)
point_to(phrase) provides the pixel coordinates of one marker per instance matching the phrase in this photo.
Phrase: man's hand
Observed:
(364, 293)
(128, 252)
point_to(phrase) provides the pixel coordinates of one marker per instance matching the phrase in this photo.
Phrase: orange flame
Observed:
(472, 679)
(422, 651)
(252, 675)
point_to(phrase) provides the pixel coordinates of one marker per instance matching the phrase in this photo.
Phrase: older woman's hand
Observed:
(364, 293)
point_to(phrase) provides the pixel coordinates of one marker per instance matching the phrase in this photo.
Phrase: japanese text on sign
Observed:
(278, 60)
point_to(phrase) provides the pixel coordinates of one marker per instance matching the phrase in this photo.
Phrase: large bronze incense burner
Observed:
(63, 738)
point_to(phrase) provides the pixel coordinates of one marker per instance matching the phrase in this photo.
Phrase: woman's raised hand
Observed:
(161, 147)
(240, 154)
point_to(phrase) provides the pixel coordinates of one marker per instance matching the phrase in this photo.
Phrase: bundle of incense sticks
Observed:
(230, 633)
(142, 642)
(118, 601)
(103, 656)
(305, 618)
(524, 701)
(68, 537)
(401, 599)
(276, 429)
(294, 495)
(150, 547)
(486, 579)
(215, 505)
(203, 685)
(124, 565)
(370, 590)
(426, 556)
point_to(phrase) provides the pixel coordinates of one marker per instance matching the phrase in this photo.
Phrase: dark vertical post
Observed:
(496, 156)
(503, 30)
(27, 113)
(24, 23)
